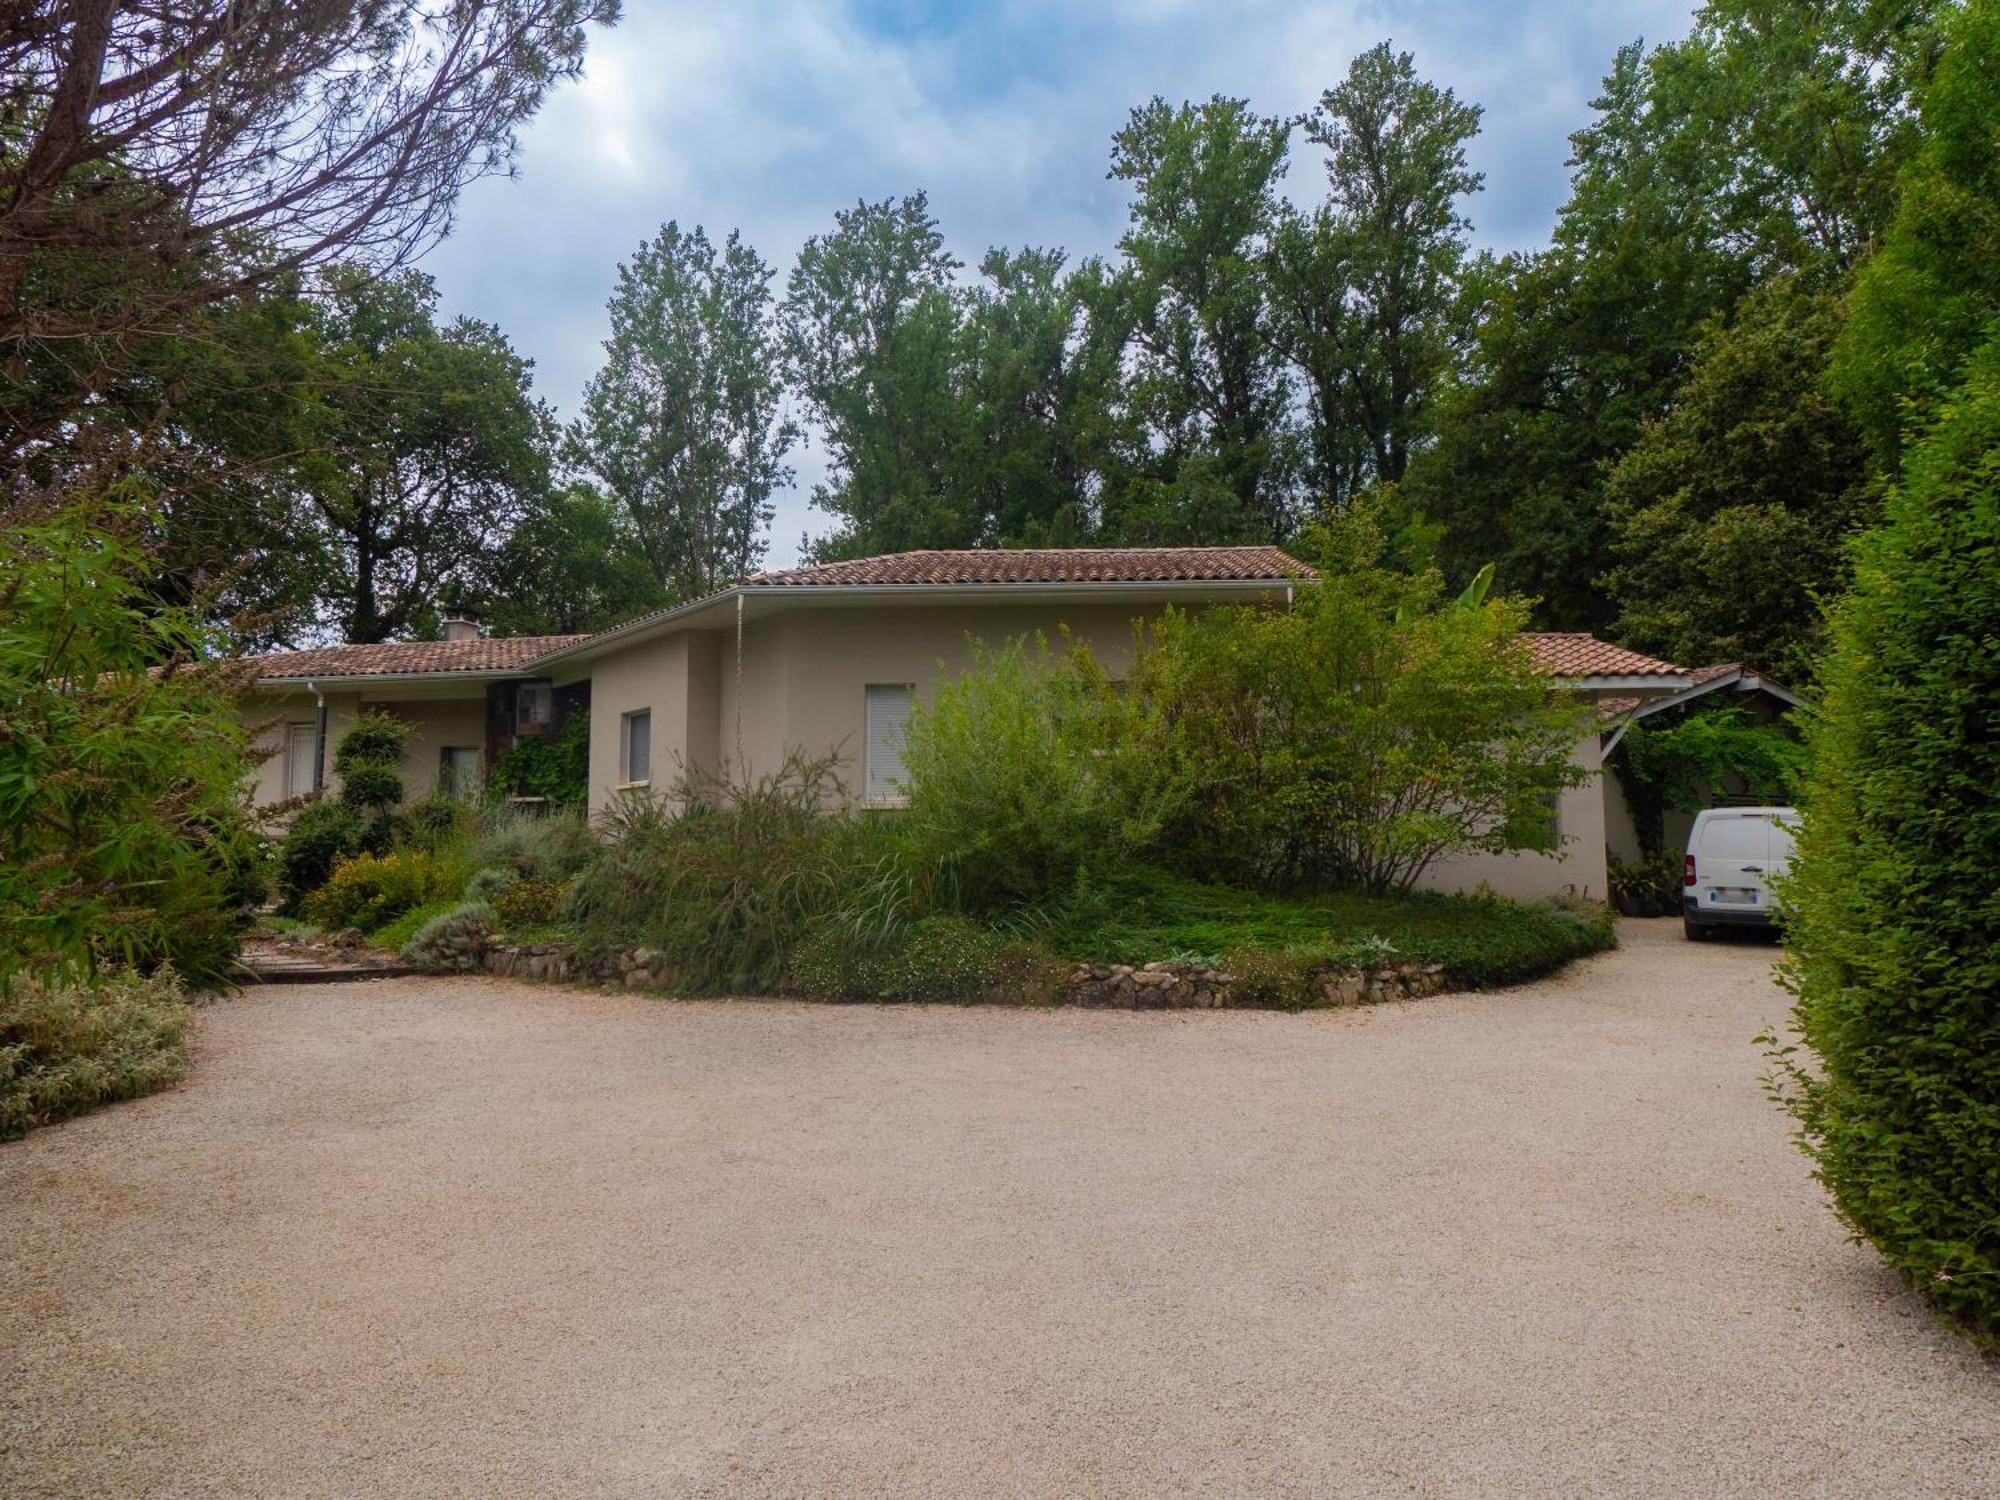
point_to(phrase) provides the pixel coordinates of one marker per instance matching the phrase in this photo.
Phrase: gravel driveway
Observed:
(467, 1237)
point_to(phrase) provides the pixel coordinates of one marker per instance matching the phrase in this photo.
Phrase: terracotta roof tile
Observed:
(1574, 654)
(393, 658)
(1047, 565)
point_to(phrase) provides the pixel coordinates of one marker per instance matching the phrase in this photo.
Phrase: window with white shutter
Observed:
(888, 722)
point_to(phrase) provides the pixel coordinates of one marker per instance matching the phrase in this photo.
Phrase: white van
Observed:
(1733, 853)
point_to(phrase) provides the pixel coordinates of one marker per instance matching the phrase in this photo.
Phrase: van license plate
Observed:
(1732, 896)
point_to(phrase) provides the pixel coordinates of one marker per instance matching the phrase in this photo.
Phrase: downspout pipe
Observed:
(319, 738)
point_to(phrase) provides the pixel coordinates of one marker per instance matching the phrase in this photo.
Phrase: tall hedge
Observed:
(1897, 884)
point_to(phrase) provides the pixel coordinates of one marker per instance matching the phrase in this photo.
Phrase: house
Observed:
(1760, 697)
(832, 657)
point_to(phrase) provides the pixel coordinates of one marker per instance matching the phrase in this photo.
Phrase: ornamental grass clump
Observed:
(723, 876)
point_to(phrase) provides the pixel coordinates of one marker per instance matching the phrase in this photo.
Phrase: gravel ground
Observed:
(468, 1237)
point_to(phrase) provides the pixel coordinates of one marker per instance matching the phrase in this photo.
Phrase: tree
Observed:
(682, 423)
(155, 158)
(870, 336)
(123, 828)
(1370, 284)
(1730, 516)
(1207, 382)
(1893, 901)
(571, 566)
(420, 449)
(1039, 379)
(1930, 296)
(1359, 736)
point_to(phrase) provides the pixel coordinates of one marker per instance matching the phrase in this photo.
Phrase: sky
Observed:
(768, 115)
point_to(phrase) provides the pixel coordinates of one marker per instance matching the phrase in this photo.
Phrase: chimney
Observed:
(458, 628)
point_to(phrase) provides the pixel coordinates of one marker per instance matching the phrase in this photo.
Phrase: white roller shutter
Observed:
(888, 722)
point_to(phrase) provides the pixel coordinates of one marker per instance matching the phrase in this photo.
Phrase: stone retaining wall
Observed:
(1155, 986)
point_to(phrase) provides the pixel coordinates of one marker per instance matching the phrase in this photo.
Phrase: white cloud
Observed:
(767, 115)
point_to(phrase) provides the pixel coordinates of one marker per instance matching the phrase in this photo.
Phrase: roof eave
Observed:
(644, 629)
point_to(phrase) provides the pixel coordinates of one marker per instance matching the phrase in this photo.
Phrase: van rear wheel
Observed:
(1694, 931)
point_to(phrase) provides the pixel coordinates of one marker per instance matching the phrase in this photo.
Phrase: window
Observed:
(301, 758)
(460, 769)
(1552, 805)
(888, 706)
(533, 706)
(636, 746)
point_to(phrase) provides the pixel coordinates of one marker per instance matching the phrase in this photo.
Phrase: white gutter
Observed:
(363, 679)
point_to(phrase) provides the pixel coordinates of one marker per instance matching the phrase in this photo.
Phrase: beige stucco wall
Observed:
(1579, 866)
(806, 672)
(433, 725)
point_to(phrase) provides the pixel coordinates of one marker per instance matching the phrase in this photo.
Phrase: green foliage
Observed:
(1647, 887)
(1146, 914)
(368, 890)
(1023, 771)
(454, 941)
(529, 903)
(1729, 517)
(549, 846)
(394, 936)
(1280, 978)
(368, 761)
(322, 834)
(870, 337)
(572, 566)
(1895, 906)
(723, 876)
(683, 423)
(942, 958)
(123, 830)
(555, 767)
(67, 1046)
(1359, 736)
(1707, 750)
(489, 882)
(1927, 298)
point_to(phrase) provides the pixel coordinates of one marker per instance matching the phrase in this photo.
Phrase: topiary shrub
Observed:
(368, 890)
(1895, 908)
(454, 943)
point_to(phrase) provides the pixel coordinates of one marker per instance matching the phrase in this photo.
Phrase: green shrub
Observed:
(724, 877)
(66, 1047)
(1355, 738)
(453, 942)
(368, 890)
(123, 830)
(489, 882)
(1895, 907)
(944, 958)
(556, 767)
(529, 903)
(553, 846)
(438, 821)
(1483, 942)
(1025, 770)
(322, 834)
